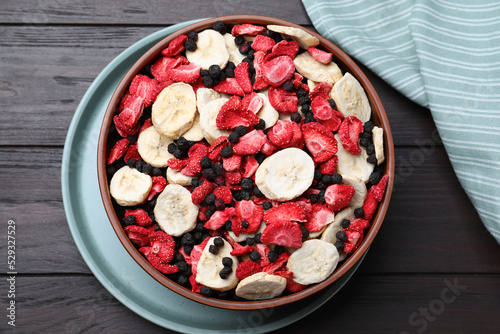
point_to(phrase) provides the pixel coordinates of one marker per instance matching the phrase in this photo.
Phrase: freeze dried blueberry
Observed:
(209, 174)
(370, 149)
(213, 249)
(238, 40)
(214, 71)
(158, 228)
(208, 81)
(321, 185)
(247, 183)
(257, 192)
(306, 108)
(217, 169)
(193, 35)
(372, 159)
(218, 242)
(359, 213)
(288, 86)
(368, 126)
(255, 256)
(171, 148)
(206, 162)
(139, 165)
(345, 223)
(241, 130)
(229, 70)
(219, 204)
(317, 175)
(129, 220)
(244, 48)
(272, 256)
(304, 100)
(188, 249)
(156, 171)
(220, 26)
(147, 169)
(332, 103)
(279, 249)
(261, 125)
(226, 152)
(321, 196)
(182, 265)
(227, 261)
(296, 117)
(250, 241)
(190, 45)
(132, 139)
(365, 142)
(341, 235)
(313, 198)
(225, 272)
(366, 134)
(179, 154)
(206, 291)
(336, 178)
(210, 198)
(182, 144)
(131, 163)
(208, 213)
(309, 118)
(178, 257)
(204, 73)
(182, 280)
(187, 239)
(245, 195)
(305, 232)
(245, 224)
(198, 237)
(301, 92)
(233, 137)
(339, 245)
(267, 205)
(327, 179)
(257, 238)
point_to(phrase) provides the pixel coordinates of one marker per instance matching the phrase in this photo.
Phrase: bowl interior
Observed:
(106, 140)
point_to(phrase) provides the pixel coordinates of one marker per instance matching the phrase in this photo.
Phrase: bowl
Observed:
(107, 138)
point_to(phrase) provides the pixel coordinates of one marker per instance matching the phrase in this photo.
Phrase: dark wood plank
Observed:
(143, 13)
(46, 71)
(367, 304)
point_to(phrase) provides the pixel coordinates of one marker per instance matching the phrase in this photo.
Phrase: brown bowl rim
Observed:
(378, 115)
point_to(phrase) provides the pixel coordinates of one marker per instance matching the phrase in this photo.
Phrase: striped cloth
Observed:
(444, 55)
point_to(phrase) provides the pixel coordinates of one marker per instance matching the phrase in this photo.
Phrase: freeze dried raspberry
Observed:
(283, 233)
(132, 153)
(242, 77)
(321, 90)
(286, 212)
(177, 164)
(232, 114)
(281, 133)
(285, 48)
(291, 285)
(249, 166)
(252, 213)
(160, 68)
(379, 189)
(118, 150)
(159, 183)
(272, 267)
(252, 102)
(263, 43)
(201, 192)
(195, 154)
(349, 132)
(247, 29)
(229, 86)
(329, 167)
(278, 70)
(219, 218)
(138, 235)
(144, 87)
(247, 268)
(141, 217)
(196, 254)
(232, 163)
(338, 196)
(320, 56)
(162, 245)
(223, 193)
(185, 73)
(216, 147)
(283, 101)
(147, 124)
(250, 143)
(175, 47)
(320, 217)
(370, 205)
(319, 141)
(242, 250)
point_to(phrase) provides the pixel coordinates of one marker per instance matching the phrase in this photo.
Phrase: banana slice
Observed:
(353, 165)
(305, 39)
(351, 98)
(210, 50)
(234, 53)
(174, 211)
(194, 133)
(329, 235)
(316, 71)
(207, 272)
(267, 112)
(205, 95)
(285, 175)
(174, 110)
(311, 84)
(153, 147)
(130, 187)
(243, 236)
(313, 262)
(261, 286)
(208, 116)
(378, 142)
(360, 190)
(178, 178)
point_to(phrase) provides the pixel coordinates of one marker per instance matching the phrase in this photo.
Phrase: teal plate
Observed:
(102, 250)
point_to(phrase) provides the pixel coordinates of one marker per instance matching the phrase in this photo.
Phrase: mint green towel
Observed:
(444, 55)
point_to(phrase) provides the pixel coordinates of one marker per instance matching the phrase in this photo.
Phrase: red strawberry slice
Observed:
(129, 117)
(162, 267)
(232, 163)
(247, 268)
(354, 239)
(252, 213)
(229, 86)
(281, 133)
(278, 70)
(286, 212)
(236, 225)
(321, 109)
(160, 68)
(201, 214)
(349, 132)
(305, 204)
(232, 114)
(297, 81)
(268, 148)
(297, 137)
(141, 217)
(338, 196)
(216, 147)
(283, 101)
(272, 267)
(319, 55)
(379, 189)
(177, 164)
(223, 193)
(123, 130)
(118, 150)
(263, 43)
(258, 62)
(195, 154)
(126, 101)
(249, 166)
(132, 153)
(185, 73)
(250, 143)
(285, 48)
(247, 29)
(196, 254)
(145, 250)
(201, 192)
(252, 102)
(329, 167)
(219, 218)
(319, 141)
(159, 183)
(144, 87)
(370, 205)
(233, 178)
(291, 285)
(319, 218)
(333, 124)
(358, 225)
(138, 235)
(162, 245)
(321, 90)
(195, 286)
(283, 233)
(242, 77)
(242, 250)
(263, 250)
(175, 47)
(147, 124)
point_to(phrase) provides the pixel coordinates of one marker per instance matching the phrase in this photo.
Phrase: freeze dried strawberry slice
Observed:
(185, 73)
(319, 55)
(233, 178)
(159, 183)
(329, 167)
(278, 70)
(354, 240)
(263, 250)
(249, 166)
(252, 213)
(219, 218)
(297, 137)
(160, 68)
(283, 233)
(196, 254)
(242, 250)
(127, 101)
(145, 87)
(232, 163)
(320, 217)
(268, 148)
(147, 124)
(250, 143)
(285, 48)
(247, 268)
(247, 29)
(272, 267)
(291, 285)
(349, 132)
(319, 141)
(138, 235)
(321, 109)
(358, 225)
(162, 245)
(242, 77)
(177, 164)
(338, 196)
(281, 133)
(283, 101)
(236, 225)
(223, 193)
(263, 43)
(321, 90)
(229, 86)
(162, 267)
(129, 116)
(118, 150)
(132, 153)
(201, 192)
(196, 153)
(258, 62)
(286, 212)
(145, 250)
(232, 114)
(175, 47)
(123, 130)
(216, 147)
(333, 124)
(297, 81)
(252, 102)
(378, 190)
(141, 217)
(370, 205)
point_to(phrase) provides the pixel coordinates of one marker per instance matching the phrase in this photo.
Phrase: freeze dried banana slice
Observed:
(178, 178)
(210, 50)
(267, 111)
(353, 165)
(313, 262)
(130, 187)
(378, 142)
(235, 55)
(208, 116)
(305, 39)
(360, 190)
(194, 133)
(261, 286)
(350, 98)
(316, 71)
(329, 235)
(153, 147)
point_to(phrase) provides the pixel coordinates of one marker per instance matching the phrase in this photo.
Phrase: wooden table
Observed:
(433, 267)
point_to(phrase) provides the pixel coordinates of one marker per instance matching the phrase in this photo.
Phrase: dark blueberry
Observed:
(332, 103)
(339, 245)
(345, 223)
(272, 256)
(139, 165)
(218, 242)
(365, 142)
(249, 61)
(245, 224)
(260, 157)
(309, 118)
(196, 183)
(250, 241)
(288, 86)
(187, 239)
(178, 154)
(370, 149)
(257, 238)
(225, 272)
(327, 179)
(198, 237)
(306, 108)
(190, 45)
(341, 236)
(257, 192)
(213, 249)
(156, 171)
(206, 162)
(234, 137)
(250, 54)
(305, 232)
(111, 169)
(147, 169)
(209, 174)
(304, 100)
(366, 134)
(131, 163)
(182, 144)
(227, 261)
(237, 195)
(204, 73)
(245, 195)
(130, 220)
(188, 249)
(157, 228)
(241, 130)
(222, 76)
(267, 205)
(208, 213)
(321, 196)
(212, 207)
(132, 139)
(214, 71)
(182, 265)
(193, 35)
(210, 198)
(199, 227)
(372, 159)
(255, 256)
(368, 126)
(321, 185)
(182, 280)
(279, 249)
(208, 81)
(261, 125)
(247, 183)
(228, 225)
(359, 213)
(219, 204)
(244, 48)
(238, 40)
(336, 178)
(171, 148)
(296, 117)
(217, 169)
(206, 291)
(317, 175)
(220, 27)
(226, 152)
(313, 198)
(301, 92)
(178, 257)
(229, 70)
